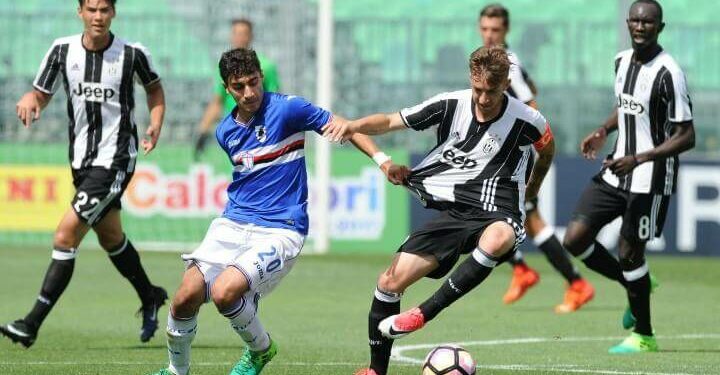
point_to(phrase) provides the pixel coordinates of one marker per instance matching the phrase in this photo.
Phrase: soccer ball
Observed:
(449, 360)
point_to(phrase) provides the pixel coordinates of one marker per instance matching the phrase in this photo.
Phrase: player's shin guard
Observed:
(549, 244)
(599, 259)
(243, 319)
(469, 274)
(384, 304)
(57, 278)
(127, 261)
(180, 334)
(638, 291)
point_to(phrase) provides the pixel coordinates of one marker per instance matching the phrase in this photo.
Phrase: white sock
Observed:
(243, 319)
(180, 333)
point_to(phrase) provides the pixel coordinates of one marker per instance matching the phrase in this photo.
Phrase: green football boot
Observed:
(635, 343)
(628, 320)
(252, 363)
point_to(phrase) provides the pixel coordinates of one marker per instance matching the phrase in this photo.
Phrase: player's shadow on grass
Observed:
(713, 351)
(162, 346)
(537, 308)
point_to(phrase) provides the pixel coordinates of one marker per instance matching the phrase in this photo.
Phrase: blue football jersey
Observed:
(269, 185)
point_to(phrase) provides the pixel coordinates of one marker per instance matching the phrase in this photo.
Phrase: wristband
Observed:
(380, 158)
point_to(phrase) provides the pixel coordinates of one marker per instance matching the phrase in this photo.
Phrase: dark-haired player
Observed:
(256, 242)
(493, 25)
(654, 123)
(97, 70)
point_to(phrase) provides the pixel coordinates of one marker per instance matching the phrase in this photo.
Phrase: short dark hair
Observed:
(239, 62)
(651, 2)
(496, 10)
(242, 21)
(112, 2)
(490, 63)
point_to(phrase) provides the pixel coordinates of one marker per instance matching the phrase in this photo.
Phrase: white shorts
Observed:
(264, 255)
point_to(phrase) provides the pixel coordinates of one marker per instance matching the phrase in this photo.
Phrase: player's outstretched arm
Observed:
(546, 152)
(396, 174)
(595, 141)
(156, 106)
(30, 105)
(681, 140)
(380, 123)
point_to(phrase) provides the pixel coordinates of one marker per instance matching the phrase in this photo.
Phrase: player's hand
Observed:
(151, 138)
(593, 143)
(396, 174)
(338, 131)
(28, 109)
(621, 166)
(200, 144)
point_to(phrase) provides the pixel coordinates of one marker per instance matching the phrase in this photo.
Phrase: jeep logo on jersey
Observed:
(93, 92)
(456, 158)
(627, 104)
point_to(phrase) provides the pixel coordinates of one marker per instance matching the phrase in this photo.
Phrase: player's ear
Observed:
(661, 28)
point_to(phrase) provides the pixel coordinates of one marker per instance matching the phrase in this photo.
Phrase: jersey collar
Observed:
(233, 113)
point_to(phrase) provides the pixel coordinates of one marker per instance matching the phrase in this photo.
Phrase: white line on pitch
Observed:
(278, 364)
(397, 353)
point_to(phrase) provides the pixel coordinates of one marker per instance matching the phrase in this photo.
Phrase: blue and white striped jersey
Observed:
(269, 185)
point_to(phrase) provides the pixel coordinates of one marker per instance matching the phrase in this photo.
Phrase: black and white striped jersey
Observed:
(100, 98)
(650, 99)
(474, 165)
(519, 87)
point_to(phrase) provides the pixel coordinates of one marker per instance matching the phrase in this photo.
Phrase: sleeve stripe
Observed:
(404, 120)
(422, 118)
(147, 75)
(51, 64)
(61, 57)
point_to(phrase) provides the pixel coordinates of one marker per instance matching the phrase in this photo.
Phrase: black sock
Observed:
(469, 274)
(638, 291)
(558, 257)
(57, 278)
(380, 346)
(601, 261)
(127, 261)
(517, 259)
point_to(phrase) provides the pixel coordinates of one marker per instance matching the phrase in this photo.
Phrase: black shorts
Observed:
(447, 236)
(97, 190)
(643, 215)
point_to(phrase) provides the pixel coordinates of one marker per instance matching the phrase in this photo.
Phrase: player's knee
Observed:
(389, 282)
(224, 297)
(186, 305)
(110, 242)
(534, 223)
(64, 240)
(572, 242)
(630, 257)
(498, 240)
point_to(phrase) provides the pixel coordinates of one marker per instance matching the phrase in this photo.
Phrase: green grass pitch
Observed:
(318, 316)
